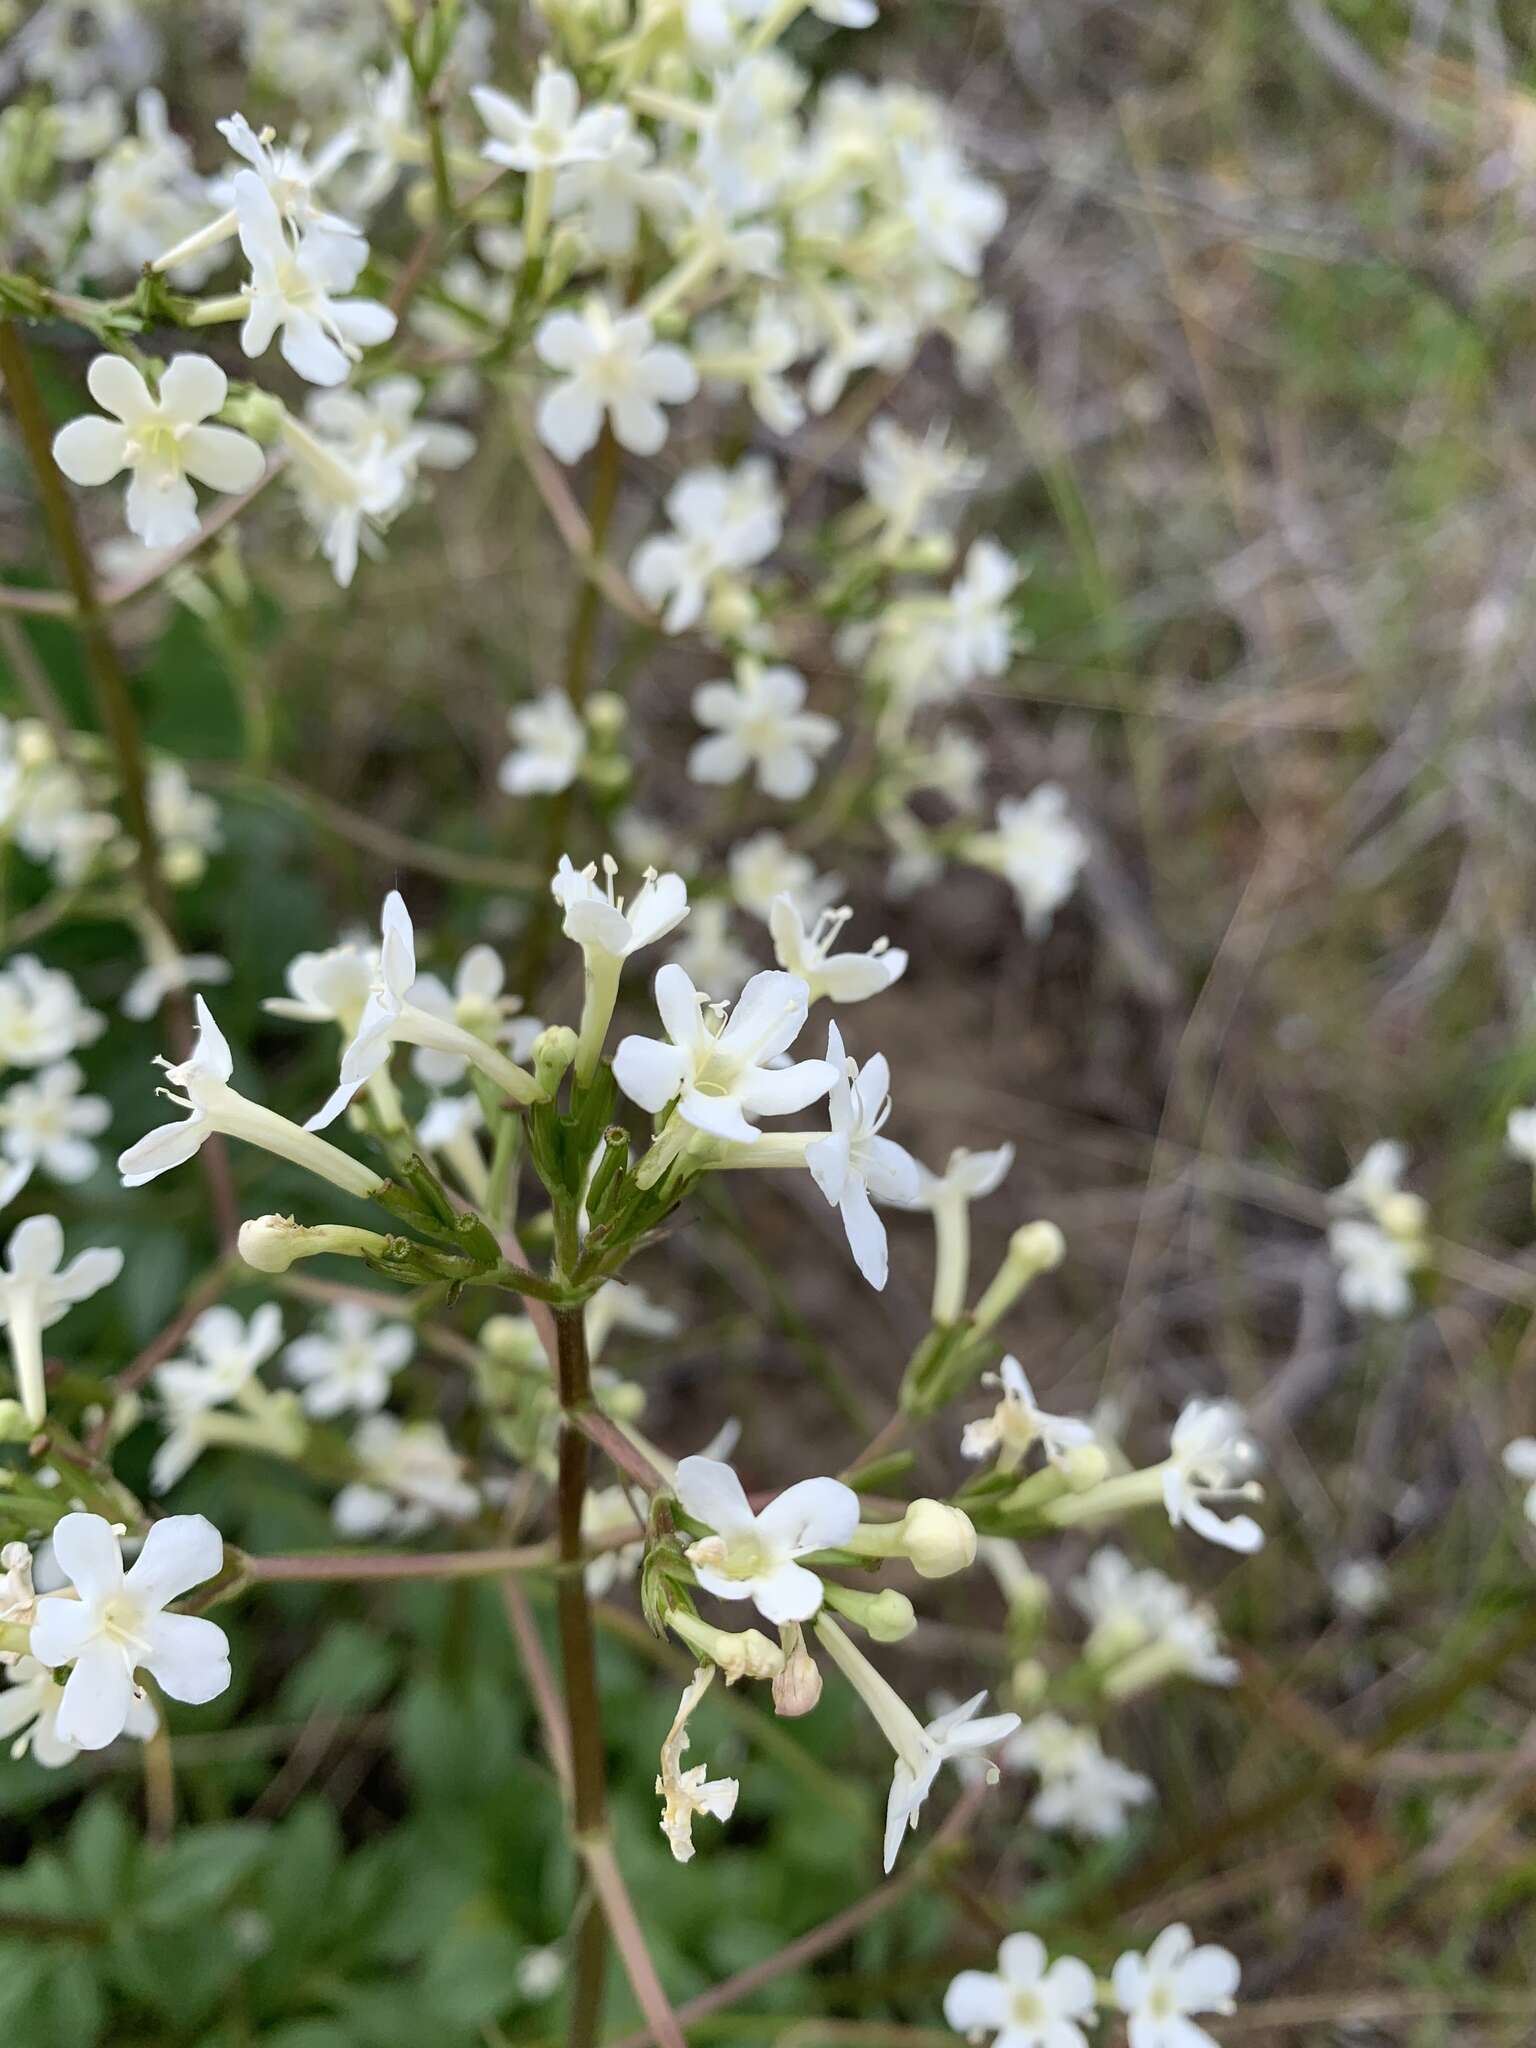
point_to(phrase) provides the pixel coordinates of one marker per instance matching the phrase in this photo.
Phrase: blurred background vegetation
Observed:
(1264, 436)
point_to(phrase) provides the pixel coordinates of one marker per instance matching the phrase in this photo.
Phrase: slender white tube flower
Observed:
(1211, 1457)
(840, 977)
(116, 1624)
(212, 1105)
(390, 1018)
(290, 177)
(36, 1292)
(685, 1793)
(948, 1198)
(755, 1556)
(608, 931)
(293, 290)
(760, 724)
(853, 1162)
(722, 1074)
(1017, 1424)
(919, 1751)
(609, 363)
(552, 742)
(552, 130)
(1024, 2002)
(350, 1359)
(47, 1122)
(164, 442)
(1158, 1991)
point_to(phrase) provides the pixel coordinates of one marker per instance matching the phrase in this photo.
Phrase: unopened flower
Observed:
(1038, 849)
(212, 1105)
(47, 1122)
(609, 363)
(36, 1292)
(294, 289)
(1016, 1425)
(608, 930)
(854, 1162)
(1158, 1991)
(685, 1793)
(840, 977)
(723, 1074)
(391, 1017)
(755, 1556)
(551, 745)
(164, 441)
(1024, 2002)
(760, 724)
(349, 1360)
(117, 1625)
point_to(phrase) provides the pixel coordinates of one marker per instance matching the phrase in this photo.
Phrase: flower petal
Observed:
(187, 1657)
(98, 1696)
(710, 1491)
(118, 389)
(813, 1514)
(88, 1555)
(787, 1593)
(90, 450)
(179, 1553)
(193, 388)
(222, 459)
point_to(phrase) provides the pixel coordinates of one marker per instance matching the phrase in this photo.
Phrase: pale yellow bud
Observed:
(939, 1539)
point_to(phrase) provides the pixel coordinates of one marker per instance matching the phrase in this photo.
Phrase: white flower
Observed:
(609, 363)
(609, 194)
(382, 423)
(906, 480)
(1211, 1458)
(551, 746)
(1146, 1626)
(35, 1292)
(722, 520)
(553, 130)
(227, 1353)
(948, 1198)
(292, 179)
(1024, 2003)
(840, 977)
(328, 988)
(347, 492)
(1375, 1268)
(977, 633)
(760, 724)
(167, 974)
(477, 1004)
(690, 1792)
(1017, 1424)
(1520, 1463)
(623, 1305)
(212, 1105)
(1520, 1135)
(1375, 1190)
(390, 1017)
(47, 1122)
(766, 866)
(1158, 1991)
(163, 440)
(755, 1556)
(1039, 851)
(608, 931)
(723, 1074)
(953, 214)
(292, 289)
(116, 1625)
(29, 1715)
(411, 1477)
(350, 1360)
(853, 1162)
(1082, 1791)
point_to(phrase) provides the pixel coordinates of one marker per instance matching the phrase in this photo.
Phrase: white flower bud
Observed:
(272, 1243)
(1085, 1465)
(938, 1539)
(553, 1051)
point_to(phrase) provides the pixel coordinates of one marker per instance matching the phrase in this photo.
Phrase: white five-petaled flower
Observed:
(976, 635)
(1024, 2002)
(1211, 1457)
(411, 1477)
(1083, 1791)
(117, 1624)
(350, 1359)
(293, 288)
(853, 1162)
(608, 930)
(755, 1556)
(1145, 1626)
(327, 988)
(721, 520)
(390, 1017)
(48, 1122)
(551, 746)
(1376, 1267)
(227, 1352)
(759, 723)
(609, 363)
(212, 1105)
(1520, 1463)
(840, 977)
(41, 1015)
(1038, 849)
(685, 1793)
(1017, 1424)
(552, 130)
(164, 441)
(35, 1292)
(722, 1074)
(1159, 1990)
